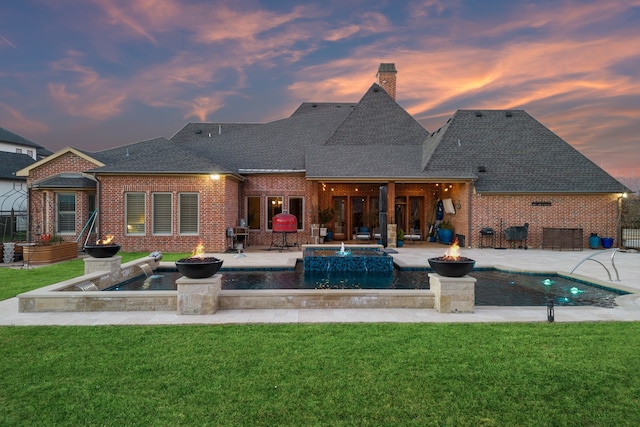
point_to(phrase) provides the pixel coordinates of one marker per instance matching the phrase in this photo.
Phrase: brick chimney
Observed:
(387, 78)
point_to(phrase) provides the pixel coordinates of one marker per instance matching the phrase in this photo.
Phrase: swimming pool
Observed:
(493, 287)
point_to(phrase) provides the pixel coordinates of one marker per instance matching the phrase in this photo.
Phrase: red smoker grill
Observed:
(283, 223)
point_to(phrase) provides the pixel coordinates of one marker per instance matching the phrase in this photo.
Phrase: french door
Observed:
(339, 218)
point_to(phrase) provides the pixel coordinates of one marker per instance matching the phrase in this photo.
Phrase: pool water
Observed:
(493, 287)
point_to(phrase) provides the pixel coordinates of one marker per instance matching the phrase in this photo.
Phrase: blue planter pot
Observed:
(445, 236)
(607, 242)
(594, 242)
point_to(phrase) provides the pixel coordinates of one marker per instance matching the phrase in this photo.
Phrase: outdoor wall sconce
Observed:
(214, 177)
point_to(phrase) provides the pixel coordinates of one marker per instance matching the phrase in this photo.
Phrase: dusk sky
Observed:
(96, 74)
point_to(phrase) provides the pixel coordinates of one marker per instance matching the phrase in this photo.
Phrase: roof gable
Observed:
(68, 150)
(378, 120)
(378, 139)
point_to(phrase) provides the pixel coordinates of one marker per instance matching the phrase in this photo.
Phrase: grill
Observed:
(487, 233)
(517, 233)
(283, 223)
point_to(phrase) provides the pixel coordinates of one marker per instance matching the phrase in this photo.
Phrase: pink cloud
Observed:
(16, 122)
(203, 106)
(88, 95)
(120, 14)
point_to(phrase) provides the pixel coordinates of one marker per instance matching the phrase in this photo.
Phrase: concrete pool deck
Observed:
(409, 256)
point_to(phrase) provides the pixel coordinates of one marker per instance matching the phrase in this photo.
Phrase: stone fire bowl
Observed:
(197, 268)
(449, 268)
(101, 251)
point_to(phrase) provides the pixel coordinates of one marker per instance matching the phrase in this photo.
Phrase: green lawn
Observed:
(332, 374)
(543, 374)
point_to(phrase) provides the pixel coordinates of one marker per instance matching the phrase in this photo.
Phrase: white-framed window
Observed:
(254, 219)
(161, 213)
(65, 213)
(135, 213)
(189, 213)
(296, 207)
(274, 207)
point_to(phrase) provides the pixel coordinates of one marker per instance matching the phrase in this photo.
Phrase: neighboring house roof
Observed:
(511, 152)
(13, 138)
(11, 163)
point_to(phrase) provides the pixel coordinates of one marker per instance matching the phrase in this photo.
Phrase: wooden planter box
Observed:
(47, 254)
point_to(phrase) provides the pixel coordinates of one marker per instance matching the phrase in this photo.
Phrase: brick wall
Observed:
(592, 213)
(286, 186)
(42, 203)
(217, 209)
(222, 203)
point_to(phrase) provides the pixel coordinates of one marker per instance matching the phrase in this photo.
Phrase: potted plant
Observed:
(400, 237)
(445, 232)
(325, 216)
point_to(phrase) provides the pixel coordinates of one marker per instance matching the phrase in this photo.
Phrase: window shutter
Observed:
(188, 213)
(162, 213)
(135, 213)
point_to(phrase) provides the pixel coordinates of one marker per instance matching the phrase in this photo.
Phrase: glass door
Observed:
(401, 213)
(357, 214)
(416, 215)
(339, 217)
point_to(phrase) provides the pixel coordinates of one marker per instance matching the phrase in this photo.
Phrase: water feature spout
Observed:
(87, 286)
(342, 251)
(156, 255)
(146, 269)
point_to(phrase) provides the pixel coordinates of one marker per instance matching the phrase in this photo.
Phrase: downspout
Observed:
(29, 232)
(470, 213)
(240, 191)
(98, 196)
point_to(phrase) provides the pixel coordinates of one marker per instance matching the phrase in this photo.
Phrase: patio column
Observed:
(453, 294)
(198, 296)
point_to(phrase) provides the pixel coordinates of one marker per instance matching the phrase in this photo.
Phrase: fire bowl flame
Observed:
(198, 268)
(101, 251)
(448, 267)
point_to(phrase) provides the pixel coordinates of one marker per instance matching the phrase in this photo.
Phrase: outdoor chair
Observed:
(363, 233)
(414, 235)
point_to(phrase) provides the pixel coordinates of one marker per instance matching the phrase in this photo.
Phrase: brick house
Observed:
(492, 168)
